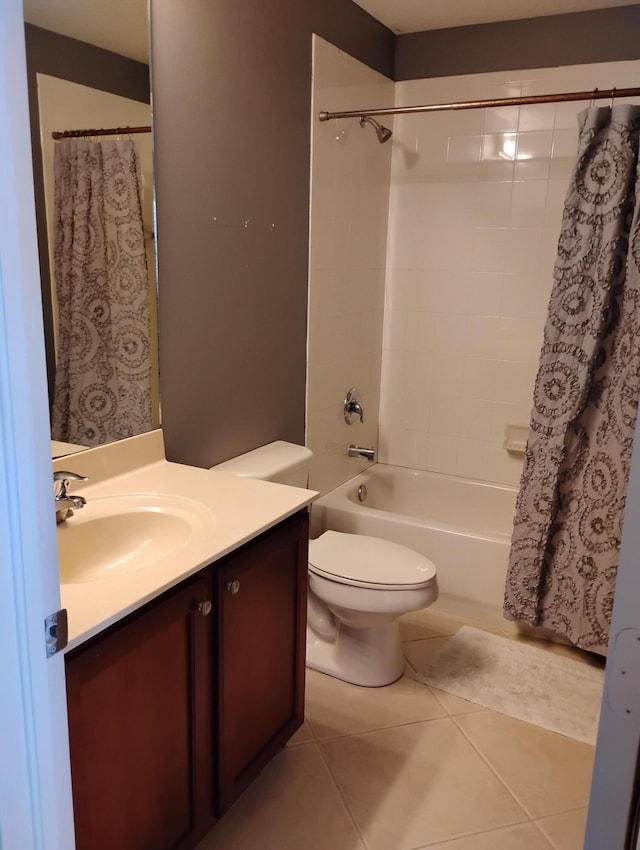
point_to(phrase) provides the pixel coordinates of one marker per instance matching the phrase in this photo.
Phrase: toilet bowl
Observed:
(358, 587)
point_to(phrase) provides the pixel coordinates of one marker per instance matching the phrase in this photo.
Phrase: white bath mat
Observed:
(513, 678)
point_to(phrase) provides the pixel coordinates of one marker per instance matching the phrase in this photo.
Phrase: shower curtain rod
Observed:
(112, 131)
(594, 94)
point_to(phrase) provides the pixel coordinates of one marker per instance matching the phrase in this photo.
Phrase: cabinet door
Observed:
(140, 722)
(261, 594)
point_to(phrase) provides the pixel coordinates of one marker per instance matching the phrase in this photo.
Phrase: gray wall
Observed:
(607, 35)
(77, 62)
(231, 105)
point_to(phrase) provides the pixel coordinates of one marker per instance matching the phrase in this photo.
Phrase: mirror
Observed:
(88, 69)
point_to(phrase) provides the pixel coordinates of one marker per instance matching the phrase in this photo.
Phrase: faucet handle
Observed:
(65, 478)
(68, 476)
(352, 406)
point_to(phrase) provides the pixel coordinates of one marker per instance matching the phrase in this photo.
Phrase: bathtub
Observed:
(463, 526)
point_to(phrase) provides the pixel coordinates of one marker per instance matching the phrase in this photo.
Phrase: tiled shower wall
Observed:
(475, 211)
(348, 237)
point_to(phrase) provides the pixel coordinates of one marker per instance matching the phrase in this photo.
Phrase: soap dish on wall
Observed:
(515, 437)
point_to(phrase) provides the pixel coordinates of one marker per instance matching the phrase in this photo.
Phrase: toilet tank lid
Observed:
(267, 461)
(372, 560)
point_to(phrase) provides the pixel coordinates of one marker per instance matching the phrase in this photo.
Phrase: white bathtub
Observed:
(463, 526)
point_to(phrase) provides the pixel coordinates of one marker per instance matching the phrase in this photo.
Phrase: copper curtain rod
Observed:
(594, 94)
(112, 131)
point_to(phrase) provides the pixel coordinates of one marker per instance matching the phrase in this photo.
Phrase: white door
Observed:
(35, 787)
(613, 806)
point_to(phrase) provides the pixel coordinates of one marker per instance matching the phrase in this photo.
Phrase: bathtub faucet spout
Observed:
(362, 451)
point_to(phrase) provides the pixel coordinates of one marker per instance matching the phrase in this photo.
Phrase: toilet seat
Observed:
(362, 561)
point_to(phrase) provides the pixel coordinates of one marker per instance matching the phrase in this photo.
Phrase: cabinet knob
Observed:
(233, 587)
(204, 608)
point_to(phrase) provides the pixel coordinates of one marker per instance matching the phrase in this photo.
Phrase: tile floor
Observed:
(409, 767)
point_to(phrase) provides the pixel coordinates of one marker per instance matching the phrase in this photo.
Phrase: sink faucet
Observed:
(63, 502)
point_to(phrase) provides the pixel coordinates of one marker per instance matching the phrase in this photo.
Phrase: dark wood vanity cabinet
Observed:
(174, 710)
(261, 645)
(139, 701)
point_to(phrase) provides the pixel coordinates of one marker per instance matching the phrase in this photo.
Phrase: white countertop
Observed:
(233, 510)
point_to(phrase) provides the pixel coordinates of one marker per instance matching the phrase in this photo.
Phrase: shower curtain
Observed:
(102, 389)
(568, 523)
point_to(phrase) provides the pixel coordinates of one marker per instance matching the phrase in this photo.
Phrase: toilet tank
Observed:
(281, 462)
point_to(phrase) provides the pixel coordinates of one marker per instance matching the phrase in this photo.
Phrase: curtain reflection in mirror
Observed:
(103, 376)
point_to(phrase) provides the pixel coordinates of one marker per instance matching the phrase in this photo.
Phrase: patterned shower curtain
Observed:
(568, 523)
(102, 389)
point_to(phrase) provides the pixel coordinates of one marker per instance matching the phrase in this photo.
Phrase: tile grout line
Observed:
(350, 814)
(379, 729)
(540, 828)
(492, 769)
(547, 838)
(433, 692)
(526, 819)
(452, 841)
(428, 637)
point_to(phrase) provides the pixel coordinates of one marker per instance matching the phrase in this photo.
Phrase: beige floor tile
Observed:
(565, 831)
(427, 624)
(522, 837)
(419, 783)
(302, 736)
(548, 773)
(334, 707)
(418, 653)
(432, 623)
(293, 804)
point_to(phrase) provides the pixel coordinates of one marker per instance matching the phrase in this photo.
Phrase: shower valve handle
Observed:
(353, 406)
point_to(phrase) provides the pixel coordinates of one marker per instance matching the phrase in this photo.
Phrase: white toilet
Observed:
(358, 585)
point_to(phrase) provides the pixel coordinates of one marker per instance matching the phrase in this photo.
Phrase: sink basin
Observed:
(115, 535)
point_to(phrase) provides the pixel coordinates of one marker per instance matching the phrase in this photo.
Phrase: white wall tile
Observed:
(449, 334)
(502, 119)
(503, 467)
(472, 458)
(464, 149)
(483, 295)
(493, 203)
(348, 246)
(528, 202)
(522, 250)
(444, 420)
(514, 341)
(476, 418)
(534, 145)
(481, 337)
(475, 207)
(442, 454)
(503, 413)
(490, 246)
(478, 378)
(540, 116)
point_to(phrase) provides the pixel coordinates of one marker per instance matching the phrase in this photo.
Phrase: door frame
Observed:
(35, 793)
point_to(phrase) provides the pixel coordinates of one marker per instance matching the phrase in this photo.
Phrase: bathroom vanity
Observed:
(177, 705)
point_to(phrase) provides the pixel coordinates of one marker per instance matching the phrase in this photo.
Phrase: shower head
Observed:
(383, 133)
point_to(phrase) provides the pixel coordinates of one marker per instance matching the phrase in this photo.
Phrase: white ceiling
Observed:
(121, 25)
(418, 15)
(117, 25)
